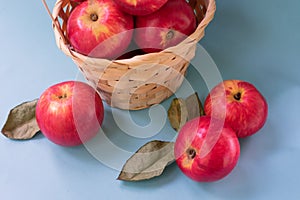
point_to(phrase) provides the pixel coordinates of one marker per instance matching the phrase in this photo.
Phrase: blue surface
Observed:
(257, 41)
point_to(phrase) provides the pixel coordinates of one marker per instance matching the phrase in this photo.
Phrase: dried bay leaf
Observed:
(194, 106)
(21, 122)
(183, 110)
(177, 113)
(148, 162)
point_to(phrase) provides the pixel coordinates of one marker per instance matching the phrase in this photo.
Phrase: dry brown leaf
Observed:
(21, 122)
(183, 110)
(177, 113)
(194, 106)
(148, 162)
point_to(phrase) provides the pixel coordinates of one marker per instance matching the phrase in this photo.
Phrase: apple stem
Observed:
(94, 17)
(170, 35)
(62, 96)
(191, 153)
(237, 96)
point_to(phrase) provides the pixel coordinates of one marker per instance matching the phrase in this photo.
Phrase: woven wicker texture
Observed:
(142, 80)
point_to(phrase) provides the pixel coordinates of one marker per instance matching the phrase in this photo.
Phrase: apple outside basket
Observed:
(140, 81)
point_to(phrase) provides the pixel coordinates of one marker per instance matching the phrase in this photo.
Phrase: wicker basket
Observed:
(143, 80)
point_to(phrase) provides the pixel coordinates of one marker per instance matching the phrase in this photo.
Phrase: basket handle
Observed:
(54, 22)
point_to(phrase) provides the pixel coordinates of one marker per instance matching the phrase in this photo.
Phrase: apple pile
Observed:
(207, 147)
(106, 28)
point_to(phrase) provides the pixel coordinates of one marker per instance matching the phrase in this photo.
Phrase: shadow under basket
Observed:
(140, 81)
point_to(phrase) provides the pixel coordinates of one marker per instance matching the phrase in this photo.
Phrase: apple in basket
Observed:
(69, 113)
(240, 103)
(98, 28)
(206, 149)
(140, 7)
(78, 1)
(166, 27)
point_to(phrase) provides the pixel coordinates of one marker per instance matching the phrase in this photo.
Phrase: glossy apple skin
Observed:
(140, 7)
(167, 27)
(69, 113)
(206, 149)
(246, 114)
(105, 35)
(79, 1)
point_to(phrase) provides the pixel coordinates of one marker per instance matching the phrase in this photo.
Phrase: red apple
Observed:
(69, 113)
(98, 28)
(140, 7)
(78, 1)
(206, 149)
(168, 26)
(238, 102)
(75, 3)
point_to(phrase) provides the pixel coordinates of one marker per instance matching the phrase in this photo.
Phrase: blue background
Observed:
(257, 41)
